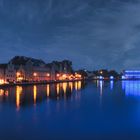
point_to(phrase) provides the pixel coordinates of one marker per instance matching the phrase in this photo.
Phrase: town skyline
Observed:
(75, 68)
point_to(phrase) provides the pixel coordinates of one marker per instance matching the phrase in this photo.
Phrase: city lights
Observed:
(18, 73)
(111, 77)
(64, 76)
(18, 94)
(21, 70)
(101, 72)
(48, 75)
(35, 74)
(1, 81)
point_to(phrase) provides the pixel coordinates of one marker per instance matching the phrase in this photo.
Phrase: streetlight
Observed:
(35, 74)
(48, 75)
(18, 73)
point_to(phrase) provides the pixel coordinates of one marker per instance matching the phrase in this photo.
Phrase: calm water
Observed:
(71, 110)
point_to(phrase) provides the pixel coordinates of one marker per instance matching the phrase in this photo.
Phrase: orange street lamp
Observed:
(18, 73)
(64, 76)
(35, 74)
(48, 75)
(101, 72)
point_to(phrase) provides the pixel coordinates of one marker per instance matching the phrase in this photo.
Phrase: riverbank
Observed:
(59, 81)
(39, 83)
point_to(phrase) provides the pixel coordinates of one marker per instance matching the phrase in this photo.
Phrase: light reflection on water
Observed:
(36, 93)
(98, 106)
(131, 87)
(18, 96)
(48, 90)
(111, 84)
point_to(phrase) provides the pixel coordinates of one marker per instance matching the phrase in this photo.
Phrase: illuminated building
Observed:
(131, 74)
(2, 73)
(29, 69)
(60, 70)
(10, 74)
(23, 69)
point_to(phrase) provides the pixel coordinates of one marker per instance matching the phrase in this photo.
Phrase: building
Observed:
(29, 69)
(10, 73)
(60, 70)
(131, 74)
(2, 73)
(22, 68)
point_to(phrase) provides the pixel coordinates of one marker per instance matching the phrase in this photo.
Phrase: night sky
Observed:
(92, 33)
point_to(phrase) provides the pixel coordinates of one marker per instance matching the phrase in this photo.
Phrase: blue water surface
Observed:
(78, 110)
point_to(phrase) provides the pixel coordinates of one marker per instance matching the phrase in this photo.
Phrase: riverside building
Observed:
(131, 74)
(22, 68)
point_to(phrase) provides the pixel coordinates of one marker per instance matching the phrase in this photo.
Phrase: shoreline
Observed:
(39, 83)
(59, 81)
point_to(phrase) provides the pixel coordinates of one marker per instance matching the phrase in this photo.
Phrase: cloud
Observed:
(93, 33)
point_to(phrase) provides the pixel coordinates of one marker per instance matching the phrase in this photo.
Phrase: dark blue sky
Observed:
(92, 33)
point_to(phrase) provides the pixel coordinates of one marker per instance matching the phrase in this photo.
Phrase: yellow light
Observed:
(48, 90)
(1, 92)
(79, 85)
(58, 89)
(18, 73)
(76, 86)
(65, 87)
(1, 81)
(18, 92)
(71, 86)
(35, 94)
(64, 76)
(20, 78)
(35, 74)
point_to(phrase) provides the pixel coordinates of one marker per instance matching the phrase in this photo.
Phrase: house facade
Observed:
(22, 68)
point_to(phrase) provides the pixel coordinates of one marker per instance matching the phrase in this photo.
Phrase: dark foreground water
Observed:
(77, 110)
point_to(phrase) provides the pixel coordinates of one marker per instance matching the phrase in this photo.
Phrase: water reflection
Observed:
(79, 85)
(65, 87)
(48, 90)
(71, 86)
(76, 86)
(18, 94)
(1, 92)
(131, 88)
(7, 93)
(101, 87)
(100, 84)
(35, 93)
(31, 95)
(58, 88)
(111, 84)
